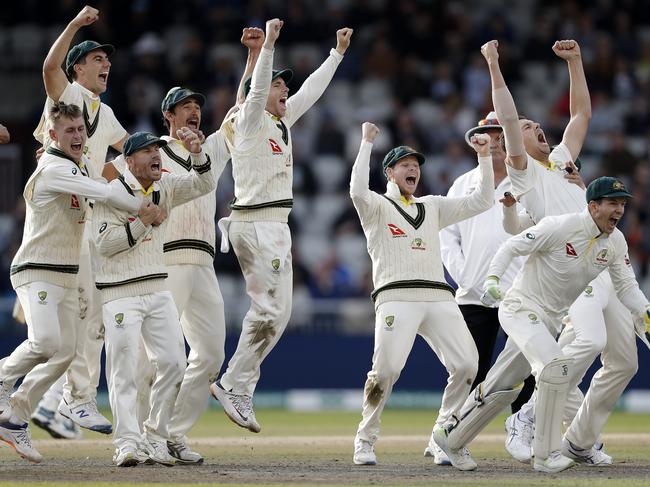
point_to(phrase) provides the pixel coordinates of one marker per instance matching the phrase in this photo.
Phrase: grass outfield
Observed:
(316, 448)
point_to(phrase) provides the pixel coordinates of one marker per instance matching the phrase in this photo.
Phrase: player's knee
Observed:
(466, 369)
(46, 347)
(591, 345)
(625, 366)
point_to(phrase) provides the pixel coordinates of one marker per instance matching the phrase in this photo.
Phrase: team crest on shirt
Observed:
(570, 251)
(42, 296)
(275, 147)
(396, 231)
(601, 258)
(418, 244)
(389, 320)
(589, 292)
(533, 318)
(74, 202)
(119, 319)
(275, 263)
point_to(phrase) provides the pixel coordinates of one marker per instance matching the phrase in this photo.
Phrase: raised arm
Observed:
(514, 221)
(314, 86)
(252, 110)
(198, 182)
(53, 75)
(579, 100)
(506, 110)
(359, 181)
(453, 210)
(253, 39)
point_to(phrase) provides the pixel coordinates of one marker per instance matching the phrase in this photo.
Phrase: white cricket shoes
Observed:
(127, 456)
(364, 453)
(87, 416)
(158, 452)
(433, 450)
(519, 437)
(182, 453)
(461, 458)
(593, 457)
(20, 439)
(556, 462)
(57, 425)
(238, 407)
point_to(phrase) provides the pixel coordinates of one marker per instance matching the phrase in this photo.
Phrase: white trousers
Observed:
(442, 325)
(599, 322)
(199, 303)
(82, 377)
(50, 314)
(154, 318)
(264, 253)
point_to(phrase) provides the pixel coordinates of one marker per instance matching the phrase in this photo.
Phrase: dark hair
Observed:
(72, 75)
(62, 110)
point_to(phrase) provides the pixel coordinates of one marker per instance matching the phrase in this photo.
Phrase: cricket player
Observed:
(551, 280)
(411, 296)
(259, 140)
(538, 182)
(44, 271)
(137, 302)
(88, 67)
(598, 321)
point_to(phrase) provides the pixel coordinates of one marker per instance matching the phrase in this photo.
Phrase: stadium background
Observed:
(414, 68)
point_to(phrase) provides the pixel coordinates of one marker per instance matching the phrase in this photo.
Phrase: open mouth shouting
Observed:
(193, 123)
(283, 101)
(103, 77)
(155, 167)
(77, 147)
(411, 180)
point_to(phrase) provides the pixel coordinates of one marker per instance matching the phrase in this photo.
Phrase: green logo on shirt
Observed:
(589, 290)
(390, 320)
(533, 318)
(119, 318)
(275, 263)
(42, 295)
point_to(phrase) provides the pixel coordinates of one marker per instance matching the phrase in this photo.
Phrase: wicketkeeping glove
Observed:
(642, 324)
(493, 293)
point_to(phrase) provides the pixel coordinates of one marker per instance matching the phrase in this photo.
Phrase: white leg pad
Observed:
(552, 388)
(476, 413)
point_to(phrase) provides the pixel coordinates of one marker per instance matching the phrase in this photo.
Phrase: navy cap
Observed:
(176, 95)
(398, 153)
(140, 140)
(285, 74)
(79, 51)
(607, 187)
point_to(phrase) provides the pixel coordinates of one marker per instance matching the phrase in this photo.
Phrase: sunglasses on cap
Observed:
(488, 121)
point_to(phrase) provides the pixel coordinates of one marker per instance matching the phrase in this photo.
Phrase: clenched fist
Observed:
(253, 38)
(273, 27)
(490, 51)
(87, 16)
(190, 139)
(343, 39)
(369, 132)
(567, 49)
(481, 144)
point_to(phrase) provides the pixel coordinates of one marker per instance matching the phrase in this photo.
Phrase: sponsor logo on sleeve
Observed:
(74, 202)
(530, 236)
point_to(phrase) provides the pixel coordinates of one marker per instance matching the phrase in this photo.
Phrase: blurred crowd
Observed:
(414, 68)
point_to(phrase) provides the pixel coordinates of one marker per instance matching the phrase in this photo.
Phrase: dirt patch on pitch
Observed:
(312, 460)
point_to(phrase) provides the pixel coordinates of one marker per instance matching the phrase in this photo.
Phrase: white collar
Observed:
(133, 183)
(87, 92)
